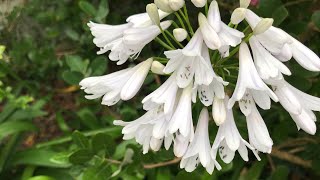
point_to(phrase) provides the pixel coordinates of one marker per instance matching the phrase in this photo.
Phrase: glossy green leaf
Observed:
(81, 156)
(88, 118)
(71, 77)
(11, 127)
(98, 66)
(279, 15)
(77, 64)
(99, 172)
(80, 139)
(88, 8)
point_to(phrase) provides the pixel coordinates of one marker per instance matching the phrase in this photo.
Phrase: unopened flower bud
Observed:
(244, 3)
(238, 15)
(199, 3)
(153, 13)
(219, 113)
(263, 26)
(176, 4)
(180, 34)
(157, 68)
(163, 5)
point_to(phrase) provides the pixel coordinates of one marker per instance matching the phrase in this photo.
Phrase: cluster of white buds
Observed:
(188, 63)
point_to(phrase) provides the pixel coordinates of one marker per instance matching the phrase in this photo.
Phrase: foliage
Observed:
(48, 49)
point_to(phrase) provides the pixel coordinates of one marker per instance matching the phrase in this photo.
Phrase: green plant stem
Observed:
(28, 172)
(182, 23)
(172, 37)
(87, 134)
(166, 38)
(206, 9)
(163, 44)
(175, 24)
(186, 19)
(7, 150)
(161, 60)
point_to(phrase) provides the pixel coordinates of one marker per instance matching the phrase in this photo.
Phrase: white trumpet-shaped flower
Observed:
(266, 64)
(249, 79)
(181, 119)
(228, 140)
(189, 62)
(216, 34)
(199, 148)
(122, 84)
(259, 136)
(110, 37)
(299, 105)
(219, 112)
(148, 130)
(166, 94)
(199, 3)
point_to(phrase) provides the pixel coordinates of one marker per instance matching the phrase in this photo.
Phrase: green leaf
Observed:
(98, 66)
(81, 156)
(88, 118)
(80, 139)
(88, 8)
(41, 178)
(71, 77)
(38, 157)
(103, 11)
(99, 142)
(11, 127)
(72, 34)
(279, 15)
(255, 170)
(99, 172)
(76, 63)
(316, 18)
(282, 172)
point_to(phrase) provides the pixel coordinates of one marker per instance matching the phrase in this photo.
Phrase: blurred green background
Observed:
(48, 130)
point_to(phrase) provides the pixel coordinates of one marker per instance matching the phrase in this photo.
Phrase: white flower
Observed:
(189, 62)
(122, 84)
(110, 37)
(199, 148)
(180, 145)
(259, 136)
(244, 3)
(153, 13)
(199, 3)
(263, 25)
(180, 34)
(272, 39)
(176, 4)
(181, 119)
(157, 68)
(163, 5)
(248, 79)
(219, 113)
(216, 34)
(228, 140)
(165, 95)
(299, 105)
(148, 130)
(267, 65)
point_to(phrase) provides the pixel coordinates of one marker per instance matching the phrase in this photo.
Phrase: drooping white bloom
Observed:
(263, 25)
(165, 95)
(189, 62)
(266, 64)
(219, 112)
(180, 34)
(148, 130)
(122, 84)
(199, 148)
(238, 15)
(163, 5)
(153, 13)
(110, 37)
(199, 3)
(181, 119)
(180, 145)
(259, 136)
(216, 34)
(299, 105)
(244, 3)
(228, 140)
(248, 79)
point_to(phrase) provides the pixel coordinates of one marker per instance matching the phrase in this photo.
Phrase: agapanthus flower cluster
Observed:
(189, 65)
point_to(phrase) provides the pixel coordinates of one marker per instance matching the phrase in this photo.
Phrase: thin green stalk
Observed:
(186, 19)
(172, 37)
(166, 38)
(230, 24)
(206, 8)
(182, 23)
(163, 44)
(87, 134)
(175, 24)
(161, 60)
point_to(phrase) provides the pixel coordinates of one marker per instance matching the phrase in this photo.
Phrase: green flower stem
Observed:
(186, 19)
(163, 44)
(234, 51)
(87, 134)
(175, 24)
(177, 42)
(180, 20)
(230, 24)
(161, 59)
(166, 38)
(28, 172)
(206, 8)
